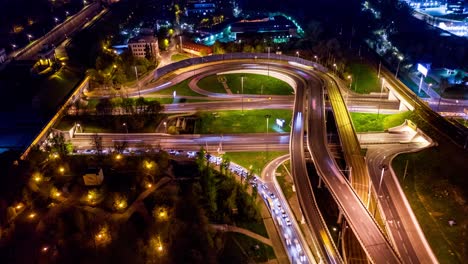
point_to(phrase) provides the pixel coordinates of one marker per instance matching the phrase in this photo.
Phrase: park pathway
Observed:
(235, 229)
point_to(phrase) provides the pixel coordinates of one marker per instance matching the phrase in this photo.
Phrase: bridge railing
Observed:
(235, 56)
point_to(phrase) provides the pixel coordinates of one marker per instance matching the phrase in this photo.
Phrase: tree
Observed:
(140, 104)
(104, 107)
(218, 48)
(97, 143)
(120, 146)
(59, 145)
(127, 105)
(225, 165)
(154, 107)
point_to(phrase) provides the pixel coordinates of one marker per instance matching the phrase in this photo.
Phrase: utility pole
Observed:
(268, 65)
(380, 98)
(242, 94)
(138, 82)
(378, 74)
(267, 126)
(406, 169)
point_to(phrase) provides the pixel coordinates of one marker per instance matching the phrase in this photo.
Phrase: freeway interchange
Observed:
(308, 136)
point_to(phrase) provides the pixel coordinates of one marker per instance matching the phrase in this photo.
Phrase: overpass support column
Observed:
(402, 107)
(391, 96)
(340, 217)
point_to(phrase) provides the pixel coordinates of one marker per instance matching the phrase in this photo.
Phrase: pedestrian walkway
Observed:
(235, 229)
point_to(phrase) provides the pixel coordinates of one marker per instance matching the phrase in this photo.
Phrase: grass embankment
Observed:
(253, 84)
(437, 191)
(57, 87)
(435, 199)
(110, 123)
(243, 249)
(179, 56)
(284, 180)
(254, 161)
(364, 78)
(181, 89)
(364, 122)
(248, 121)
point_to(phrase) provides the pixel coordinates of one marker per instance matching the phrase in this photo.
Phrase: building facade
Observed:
(455, 6)
(3, 56)
(145, 45)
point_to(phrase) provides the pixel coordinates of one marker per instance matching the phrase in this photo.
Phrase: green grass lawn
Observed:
(239, 248)
(182, 89)
(236, 121)
(253, 84)
(435, 201)
(364, 122)
(286, 186)
(212, 84)
(255, 161)
(105, 124)
(57, 87)
(462, 121)
(364, 77)
(179, 57)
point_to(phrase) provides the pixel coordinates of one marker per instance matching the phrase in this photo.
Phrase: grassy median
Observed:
(254, 161)
(247, 121)
(253, 84)
(364, 122)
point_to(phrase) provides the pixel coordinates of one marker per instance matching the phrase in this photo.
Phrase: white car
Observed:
(287, 239)
(298, 246)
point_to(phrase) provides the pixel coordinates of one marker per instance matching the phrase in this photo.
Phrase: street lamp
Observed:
(350, 78)
(138, 82)
(180, 37)
(242, 94)
(267, 126)
(380, 99)
(126, 128)
(29, 37)
(67, 13)
(56, 20)
(165, 127)
(268, 65)
(400, 58)
(297, 54)
(316, 58)
(334, 65)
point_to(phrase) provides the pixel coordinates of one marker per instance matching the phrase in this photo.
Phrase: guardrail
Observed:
(50, 37)
(170, 68)
(235, 56)
(79, 88)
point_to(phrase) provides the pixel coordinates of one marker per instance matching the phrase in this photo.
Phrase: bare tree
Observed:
(120, 145)
(97, 143)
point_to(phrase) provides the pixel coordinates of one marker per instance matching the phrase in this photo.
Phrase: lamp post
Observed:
(126, 128)
(180, 42)
(316, 58)
(242, 94)
(138, 82)
(380, 65)
(380, 97)
(400, 58)
(350, 78)
(268, 65)
(297, 54)
(56, 21)
(165, 127)
(267, 126)
(334, 65)
(29, 37)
